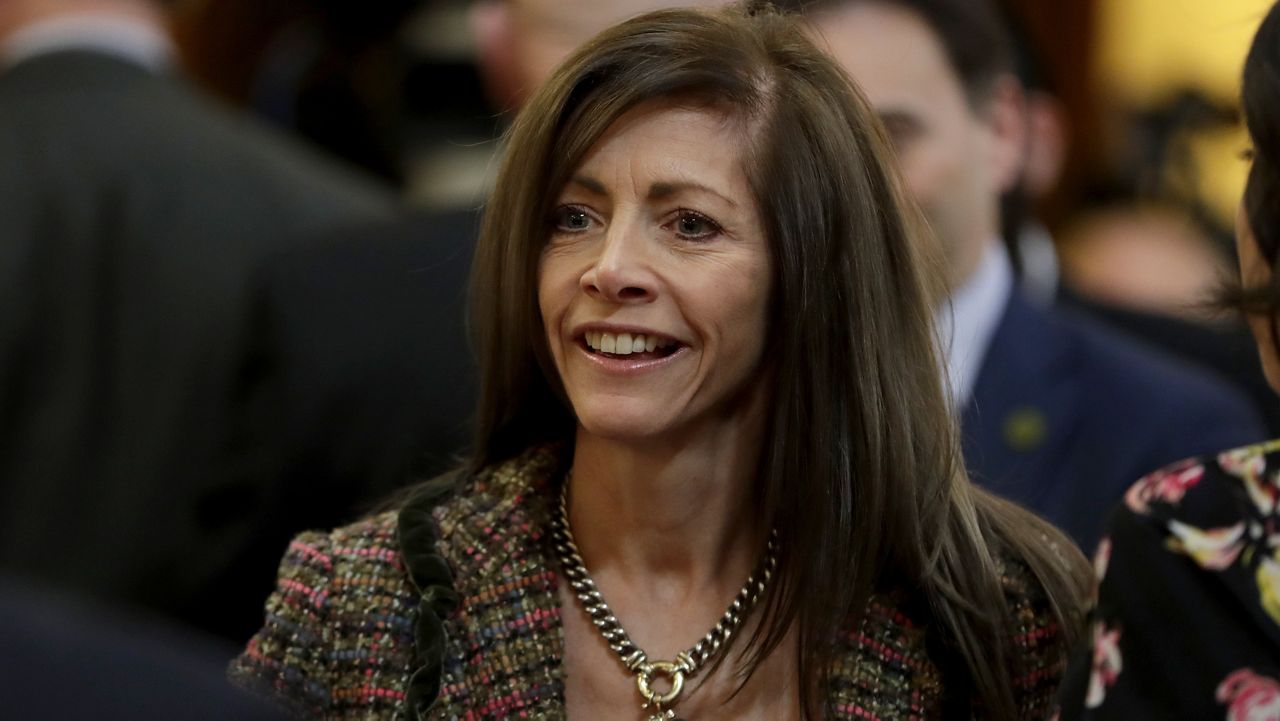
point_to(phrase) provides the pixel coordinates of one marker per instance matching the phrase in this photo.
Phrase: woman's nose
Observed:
(622, 272)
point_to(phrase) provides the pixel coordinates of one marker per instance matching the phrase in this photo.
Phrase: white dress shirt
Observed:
(1040, 271)
(131, 38)
(968, 321)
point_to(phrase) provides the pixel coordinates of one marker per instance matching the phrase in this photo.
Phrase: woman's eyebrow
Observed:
(657, 191)
(589, 184)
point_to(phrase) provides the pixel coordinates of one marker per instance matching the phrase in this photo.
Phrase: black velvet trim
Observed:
(431, 576)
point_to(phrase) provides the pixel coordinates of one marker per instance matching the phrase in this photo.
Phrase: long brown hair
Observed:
(861, 472)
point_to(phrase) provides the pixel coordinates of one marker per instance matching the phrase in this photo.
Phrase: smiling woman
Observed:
(715, 473)
(657, 239)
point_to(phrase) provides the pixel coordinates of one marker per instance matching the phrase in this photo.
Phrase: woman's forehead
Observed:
(668, 143)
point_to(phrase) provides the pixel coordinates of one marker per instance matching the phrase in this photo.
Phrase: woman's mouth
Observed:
(629, 346)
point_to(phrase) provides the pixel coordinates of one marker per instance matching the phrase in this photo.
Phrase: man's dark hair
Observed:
(974, 34)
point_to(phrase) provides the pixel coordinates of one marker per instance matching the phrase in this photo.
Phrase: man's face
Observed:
(955, 159)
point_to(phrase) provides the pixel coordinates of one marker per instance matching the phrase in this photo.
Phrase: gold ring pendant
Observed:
(644, 678)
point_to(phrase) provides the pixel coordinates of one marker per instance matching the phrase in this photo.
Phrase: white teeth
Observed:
(625, 343)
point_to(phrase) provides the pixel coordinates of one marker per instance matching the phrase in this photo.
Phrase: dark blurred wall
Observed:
(331, 71)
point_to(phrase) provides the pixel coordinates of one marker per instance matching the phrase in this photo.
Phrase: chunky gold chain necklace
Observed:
(687, 663)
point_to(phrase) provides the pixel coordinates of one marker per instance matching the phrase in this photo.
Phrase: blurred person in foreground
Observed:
(520, 42)
(65, 659)
(133, 211)
(1187, 624)
(704, 322)
(1057, 414)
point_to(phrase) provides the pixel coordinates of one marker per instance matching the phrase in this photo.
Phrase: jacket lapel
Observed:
(506, 644)
(1024, 405)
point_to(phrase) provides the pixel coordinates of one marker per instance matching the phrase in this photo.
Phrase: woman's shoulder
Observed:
(1215, 511)
(1207, 508)
(367, 547)
(900, 644)
(336, 592)
(449, 511)
(356, 606)
(1187, 569)
(1036, 631)
(1211, 491)
(887, 652)
(1023, 589)
(439, 517)
(904, 642)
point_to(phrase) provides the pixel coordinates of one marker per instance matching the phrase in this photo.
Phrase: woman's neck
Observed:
(669, 530)
(669, 518)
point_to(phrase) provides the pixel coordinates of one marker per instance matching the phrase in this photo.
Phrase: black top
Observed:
(1188, 618)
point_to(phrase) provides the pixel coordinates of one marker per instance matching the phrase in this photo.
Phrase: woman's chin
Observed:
(622, 427)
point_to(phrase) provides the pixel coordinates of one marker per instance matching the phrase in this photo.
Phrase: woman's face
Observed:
(654, 284)
(1255, 272)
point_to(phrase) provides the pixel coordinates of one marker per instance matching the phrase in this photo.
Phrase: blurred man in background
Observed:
(519, 43)
(132, 212)
(1057, 414)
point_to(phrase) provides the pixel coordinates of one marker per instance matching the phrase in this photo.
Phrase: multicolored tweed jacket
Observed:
(364, 623)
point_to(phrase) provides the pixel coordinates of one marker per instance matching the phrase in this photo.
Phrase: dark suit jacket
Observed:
(362, 380)
(364, 339)
(1227, 350)
(132, 213)
(1066, 415)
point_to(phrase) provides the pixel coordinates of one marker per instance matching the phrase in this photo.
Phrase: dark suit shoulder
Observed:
(134, 214)
(1066, 415)
(1132, 375)
(1120, 374)
(1226, 348)
(362, 341)
(90, 121)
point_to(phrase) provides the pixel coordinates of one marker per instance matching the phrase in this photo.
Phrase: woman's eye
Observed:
(572, 219)
(693, 225)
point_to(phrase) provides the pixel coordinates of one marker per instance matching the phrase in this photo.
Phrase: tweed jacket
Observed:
(448, 609)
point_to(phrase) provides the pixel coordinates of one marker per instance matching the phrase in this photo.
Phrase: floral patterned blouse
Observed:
(1187, 624)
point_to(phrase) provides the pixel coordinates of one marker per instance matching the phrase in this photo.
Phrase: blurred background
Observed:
(1133, 104)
